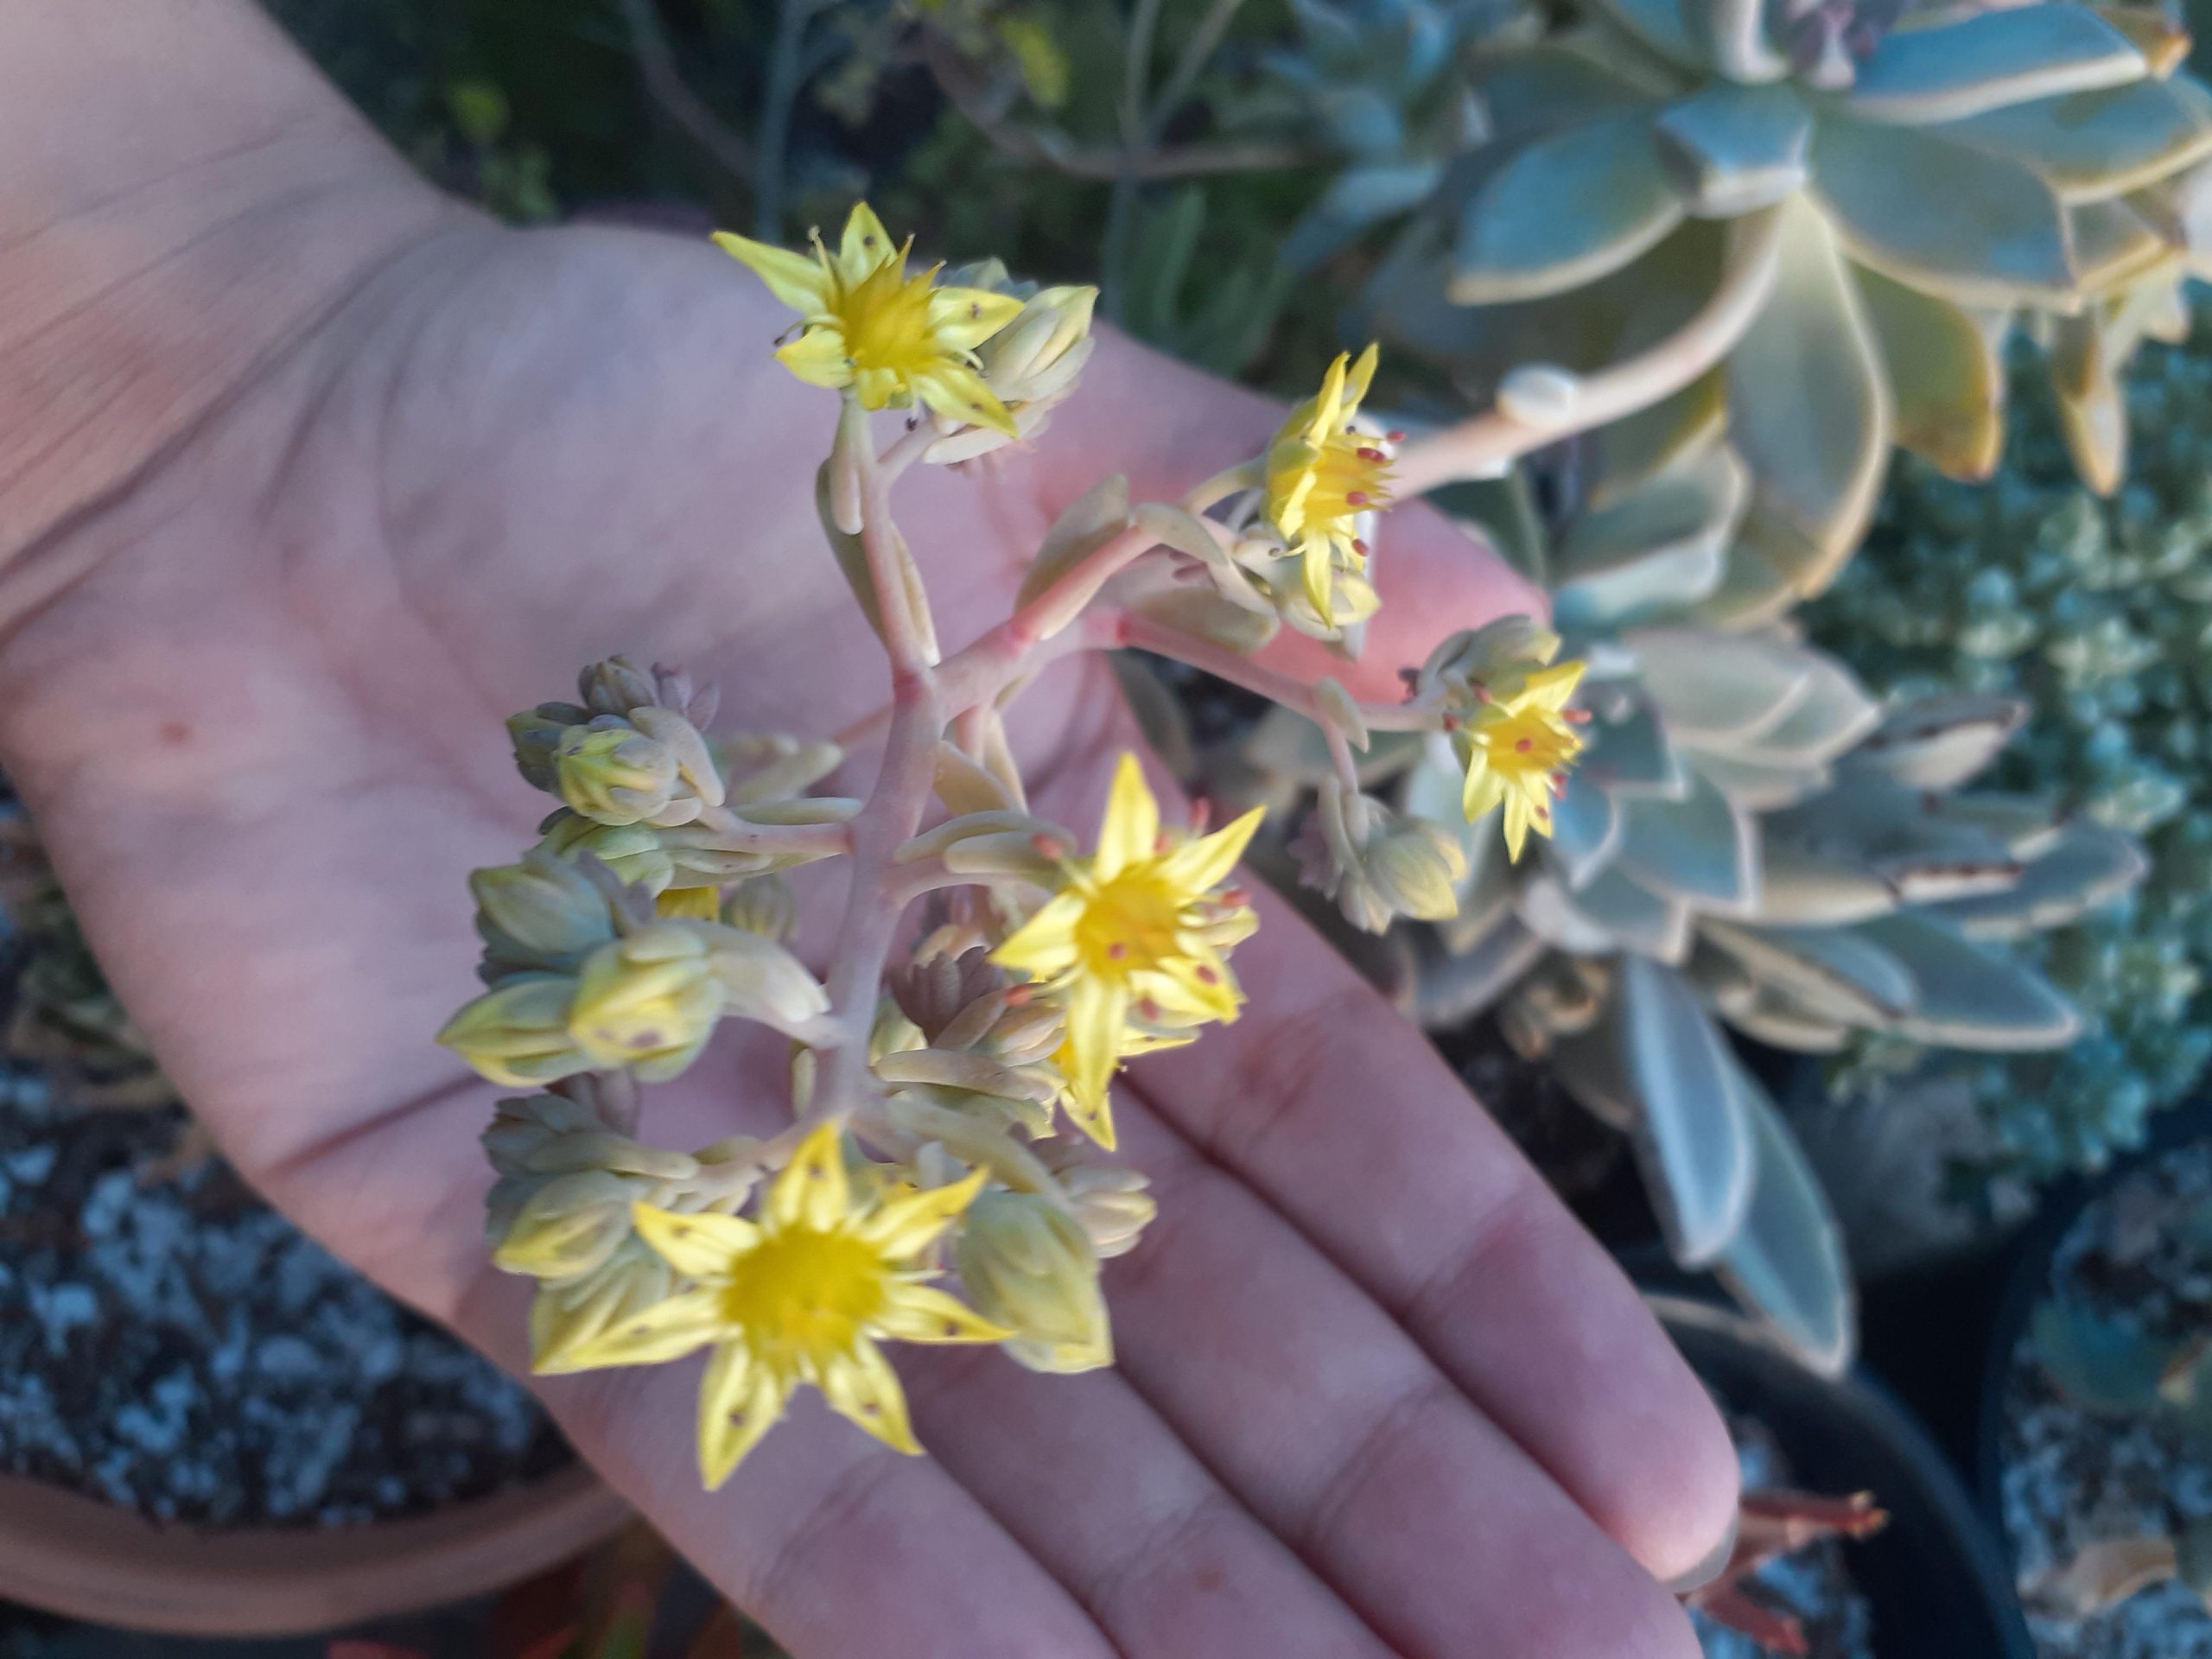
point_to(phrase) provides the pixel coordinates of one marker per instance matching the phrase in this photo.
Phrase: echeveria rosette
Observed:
(1916, 189)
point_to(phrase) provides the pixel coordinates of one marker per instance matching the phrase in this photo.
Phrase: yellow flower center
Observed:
(805, 1292)
(1350, 475)
(885, 320)
(1129, 924)
(1528, 742)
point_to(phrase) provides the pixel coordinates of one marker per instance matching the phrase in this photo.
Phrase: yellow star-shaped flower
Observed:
(1322, 476)
(1516, 748)
(1131, 945)
(799, 1295)
(865, 323)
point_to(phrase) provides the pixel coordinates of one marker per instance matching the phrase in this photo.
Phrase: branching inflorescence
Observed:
(945, 1077)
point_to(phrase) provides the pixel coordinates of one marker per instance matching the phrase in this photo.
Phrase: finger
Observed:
(1326, 1101)
(1327, 1420)
(1099, 1489)
(841, 1547)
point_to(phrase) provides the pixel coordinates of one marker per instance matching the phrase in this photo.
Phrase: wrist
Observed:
(187, 199)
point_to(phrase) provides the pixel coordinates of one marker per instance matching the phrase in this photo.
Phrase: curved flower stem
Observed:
(1245, 475)
(1482, 446)
(909, 634)
(741, 834)
(1291, 693)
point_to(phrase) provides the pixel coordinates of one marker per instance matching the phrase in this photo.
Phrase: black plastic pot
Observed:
(1937, 1576)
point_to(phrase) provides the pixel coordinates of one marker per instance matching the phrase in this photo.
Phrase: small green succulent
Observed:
(2099, 614)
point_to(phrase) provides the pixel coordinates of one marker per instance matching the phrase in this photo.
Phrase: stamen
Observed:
(1019, 996)
(1575, 716)
(1396, 435)
(1525, 744)
(1208, 976)
(1048, 846)
(1371, 454)
(1117, 951)
(1359, 546)
(1148, 1009)
(1236, 896)
(1356, 497)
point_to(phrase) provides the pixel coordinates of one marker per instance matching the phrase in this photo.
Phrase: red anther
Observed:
(1116, 951)
(1208, 976)
(1047, 847)
(1525, 744)
(1356, 497)
(1481, 693)
(1359, 547)
(1371, 454)
(1236, 896)
(1543, 814)
(1148, 1009)
(1575, 716)
(1450, 722)
(1018, 996)
(1396, 435)
(1201, 814)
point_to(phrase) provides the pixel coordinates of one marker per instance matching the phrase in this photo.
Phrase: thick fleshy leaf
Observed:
(2088, 146)
(1760, 786)
(2116, 244)
(1659, 1054)
(2092, 408)
(1939, 742)
(1630, 756)
(1802, 886)
(1545, 88)
(1638, 448)
(1718, 689)
(1817, 462)
(1786, 1263)
(2089, 866)
(1569, 209)
(1901, 835)
(2026, 826)
(1733, 34)
(1612, 912)
(1731, 148)
(1978, 228)
(1946, 376)
(1967, 996)
(1651, 552)
(1829, 715)
(1451, 988)
(1660, 25)
(1990, 58)
(1754, 590)
(1586, 826)
(1700, 849)
(1094, 517)
(1779, 1021)
(1356, 199)
(1838, 974)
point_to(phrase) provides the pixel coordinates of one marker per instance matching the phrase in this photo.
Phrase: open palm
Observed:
(1376, 1393)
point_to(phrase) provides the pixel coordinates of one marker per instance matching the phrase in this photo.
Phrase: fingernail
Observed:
(1708, 1569)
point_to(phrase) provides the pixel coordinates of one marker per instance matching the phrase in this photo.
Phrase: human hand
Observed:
(1376, 1393)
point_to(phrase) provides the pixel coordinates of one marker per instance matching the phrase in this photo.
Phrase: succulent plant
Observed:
(2097, 613)
(1749, 840)
(1734, 202)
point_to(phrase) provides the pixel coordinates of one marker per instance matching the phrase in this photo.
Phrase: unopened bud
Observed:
(517, 1033)
(649, 1001)
(650, 767)
(568, 1225)
(536, 734)
(1029, 1265)
(1112, 1205)
(542, 914)
(763, 905)
(634, 852)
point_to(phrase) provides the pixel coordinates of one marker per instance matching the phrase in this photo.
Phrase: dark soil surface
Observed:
(2140, 1256)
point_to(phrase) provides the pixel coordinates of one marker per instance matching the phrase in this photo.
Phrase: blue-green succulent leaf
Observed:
(1786, 1263)
(1568, 209)
(1355, 201)
(1969, 996)
(1990, 58)
(1976, 227)
(1946, 377)
(1731, 148)
(1651, 552)
(1701, 849)
(2089, 146)
(2087, 865)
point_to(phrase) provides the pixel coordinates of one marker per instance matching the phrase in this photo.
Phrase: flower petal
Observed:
(964, 318)
(1198, 865)
(698, 1246)
(864, 245)
(861, 1385)
(1045, 944)
(1361, 378)
(797, 279)
(1129, 833)
(899, 1227)
(1328, 407)
(813, 1191)
(818, 357)
(1317, 566)
(668, 1330)
(956, 390)
(740, 1401)
(922, 1314)
(1097, 1009)
(1206, 987)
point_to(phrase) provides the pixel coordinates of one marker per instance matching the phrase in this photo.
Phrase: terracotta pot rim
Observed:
(67, 1554)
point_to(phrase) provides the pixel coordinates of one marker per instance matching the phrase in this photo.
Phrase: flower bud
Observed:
(650, 767)
(567, 1225)
(1038, 354)
(763, 905)
(517, 1033)
(536, 734)
(554, 1134)
(616, 687)
(1377, 864)
(1417, 866)
(1495, 658)
(634, 851)
(1112, 1205)
(568, 1313)
(1029, 1265)
(648, 1001)
(689, 904)
(540, 914)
